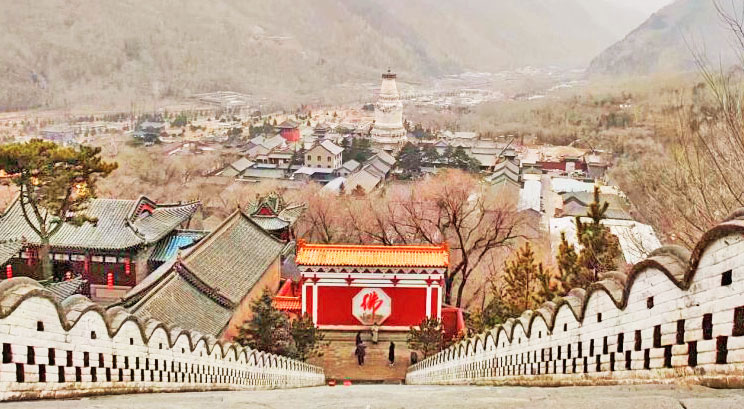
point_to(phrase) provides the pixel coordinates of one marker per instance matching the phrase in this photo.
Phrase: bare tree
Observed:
(700, 179)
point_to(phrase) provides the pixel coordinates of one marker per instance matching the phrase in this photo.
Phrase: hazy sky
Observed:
(646, 6)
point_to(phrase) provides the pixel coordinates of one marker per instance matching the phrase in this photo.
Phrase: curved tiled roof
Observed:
(201, 288)
(371, 255)
(120, 224)
(9, 249)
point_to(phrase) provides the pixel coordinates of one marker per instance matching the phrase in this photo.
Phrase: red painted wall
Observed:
(434, 300)
(291, 135)
(334, 306)
(307, 298)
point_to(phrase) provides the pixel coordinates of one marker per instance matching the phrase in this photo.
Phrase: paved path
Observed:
(401, 396)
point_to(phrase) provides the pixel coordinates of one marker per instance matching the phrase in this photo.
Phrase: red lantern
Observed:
(110, 280)
(9, 271)
(127, 267)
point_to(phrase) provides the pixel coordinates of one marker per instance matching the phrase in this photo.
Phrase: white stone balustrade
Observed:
(77, 348)
(676, 317)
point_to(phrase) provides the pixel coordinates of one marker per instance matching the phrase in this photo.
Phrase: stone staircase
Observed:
(339, 361)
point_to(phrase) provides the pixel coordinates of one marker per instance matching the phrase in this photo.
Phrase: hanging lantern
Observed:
(110, 280)
(127, 266)
(9, 271)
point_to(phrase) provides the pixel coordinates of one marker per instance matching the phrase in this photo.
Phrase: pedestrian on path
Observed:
(391, 353)
(375, 333)
(359, 338)
(360, 352)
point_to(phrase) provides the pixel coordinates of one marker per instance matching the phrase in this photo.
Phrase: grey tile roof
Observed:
(9, 249)
(351, 165)
(331, 147)
(176, 302)
(363, 178)
(120, 224)
(200, 290)
(573, 208)
(234, 257)
(270, 223)
(64, 289)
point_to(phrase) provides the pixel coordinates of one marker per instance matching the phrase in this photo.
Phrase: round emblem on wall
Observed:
(371, 305)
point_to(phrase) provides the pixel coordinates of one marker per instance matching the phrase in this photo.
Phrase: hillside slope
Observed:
(666, 41)
(63, 52)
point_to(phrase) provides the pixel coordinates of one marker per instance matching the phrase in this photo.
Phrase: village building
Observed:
(275, 215)
(320, 175)
(352, 287)
(321, 130)
(210, 286)
(349, 167)
(506, 172)
(149, 131)
(62, 134)
(113, 254)
(388, 128)
(237, 168)
(289, 130)
(365, 178)
(325, 154)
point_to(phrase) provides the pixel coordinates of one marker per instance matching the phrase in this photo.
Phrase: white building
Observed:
(388, 128)
(326, 154)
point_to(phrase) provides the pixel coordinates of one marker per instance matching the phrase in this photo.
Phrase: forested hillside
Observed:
(63, 52)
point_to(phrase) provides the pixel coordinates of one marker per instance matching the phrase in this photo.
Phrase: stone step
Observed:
(339, 362)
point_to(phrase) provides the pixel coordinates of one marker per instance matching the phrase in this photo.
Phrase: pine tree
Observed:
(268, 329)
(427, 337)
(600, 249)
(526, 282)
(571, 273)
(55, 186)
(409, 160)
(307, 338)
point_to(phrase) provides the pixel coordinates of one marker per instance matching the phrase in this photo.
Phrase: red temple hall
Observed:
(351, 287)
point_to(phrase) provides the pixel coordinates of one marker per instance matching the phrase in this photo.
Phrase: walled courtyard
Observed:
(402, 396)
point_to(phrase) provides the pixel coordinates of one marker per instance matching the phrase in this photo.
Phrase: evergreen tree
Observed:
(571, 273)
(268, 329)
(409, 160)
(427, 337)
(429, 154)
(600, 249)
(449, 154)
(307, 338)
(55, 186)
(526, 282)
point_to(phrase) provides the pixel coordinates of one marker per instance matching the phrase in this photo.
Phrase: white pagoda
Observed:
(388, 128)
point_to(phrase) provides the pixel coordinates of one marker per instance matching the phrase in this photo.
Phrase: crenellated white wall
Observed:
(77, 348)
(533, 349)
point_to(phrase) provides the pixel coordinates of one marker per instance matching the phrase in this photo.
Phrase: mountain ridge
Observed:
(63, 52)
(668, 41)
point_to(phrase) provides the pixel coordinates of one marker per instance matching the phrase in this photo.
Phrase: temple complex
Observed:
(275, 215)
(352, 287)
(388, 129)
(209, 286)
(113, 254)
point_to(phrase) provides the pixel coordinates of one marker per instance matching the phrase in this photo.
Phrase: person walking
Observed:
(391, 353)
(359, 338)
(360, 352)
(375, 333)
